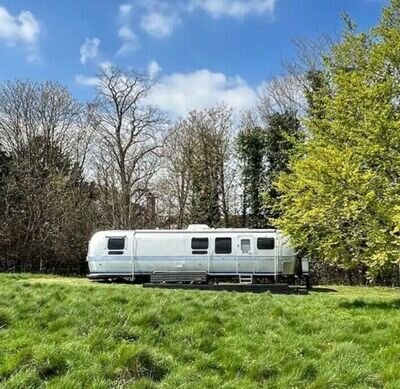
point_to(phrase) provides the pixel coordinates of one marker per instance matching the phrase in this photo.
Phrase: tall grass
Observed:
(69, 333)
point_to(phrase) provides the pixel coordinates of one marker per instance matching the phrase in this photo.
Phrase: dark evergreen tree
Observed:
(316, 86)
(263, 154)
(251, 143)
(49, 210)
(282, 136)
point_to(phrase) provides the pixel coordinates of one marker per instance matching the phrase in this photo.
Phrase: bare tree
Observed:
(47, 111)
(310, 54)
(128, 135)
(199, 153)
(175, 182)
(281, 94)
(307, 63)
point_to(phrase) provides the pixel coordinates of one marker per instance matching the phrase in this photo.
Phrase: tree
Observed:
(306, 72)
(49, 212)
(264, 145)
(251, 143)
(317, 88)
(341, 199)
(176, 183)
(282, 137)
(45, 198)
(280, 95)
(129, 137)
(29, 110)
(199, 155)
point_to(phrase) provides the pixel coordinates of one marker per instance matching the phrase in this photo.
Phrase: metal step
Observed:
(180, 277)
(245, 278)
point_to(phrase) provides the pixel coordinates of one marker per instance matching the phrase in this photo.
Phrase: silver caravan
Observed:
(198, 253)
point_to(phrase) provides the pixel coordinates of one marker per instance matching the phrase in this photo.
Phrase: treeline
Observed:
(319, 157)
(68, 169)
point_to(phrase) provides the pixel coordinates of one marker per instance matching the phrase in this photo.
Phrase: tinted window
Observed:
(223, 245)
(116, 243)
(199, 243)
(265, 243)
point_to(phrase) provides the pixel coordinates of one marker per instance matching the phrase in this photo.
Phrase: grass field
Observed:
(69, 333)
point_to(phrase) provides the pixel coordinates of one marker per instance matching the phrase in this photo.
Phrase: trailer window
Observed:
(116, 243)
(265, 243)
(199, 243)
(245, 245)
(223, 245)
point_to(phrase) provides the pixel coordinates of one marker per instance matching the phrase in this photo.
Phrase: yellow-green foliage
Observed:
(342, 199)
(69, 333)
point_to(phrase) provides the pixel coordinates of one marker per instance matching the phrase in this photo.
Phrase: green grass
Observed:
(69, 333)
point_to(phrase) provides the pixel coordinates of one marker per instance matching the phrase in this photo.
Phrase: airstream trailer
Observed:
(198, 254)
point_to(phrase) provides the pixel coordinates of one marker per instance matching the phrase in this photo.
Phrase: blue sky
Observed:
(200, 51)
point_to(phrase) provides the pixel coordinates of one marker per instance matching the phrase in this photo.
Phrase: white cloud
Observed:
(126, 33)
(23, 29)
(93, 80)
(159, 24)
(179, 93)
(86, 81)
(129, 39)
(90, 49)
(157, 19)
(153, 70)
(106, 65)
(125, 11)
(234, 8)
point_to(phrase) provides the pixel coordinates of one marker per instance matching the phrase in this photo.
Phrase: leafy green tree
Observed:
(341, 198)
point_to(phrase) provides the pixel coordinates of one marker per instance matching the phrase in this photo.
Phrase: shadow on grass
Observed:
(322, 289)
(361, 304)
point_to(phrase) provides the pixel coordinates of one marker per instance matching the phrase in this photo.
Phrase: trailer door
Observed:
(223, 258)
(117, 258)
(245, 254)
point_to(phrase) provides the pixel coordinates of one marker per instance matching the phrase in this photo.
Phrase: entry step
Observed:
(245, 279)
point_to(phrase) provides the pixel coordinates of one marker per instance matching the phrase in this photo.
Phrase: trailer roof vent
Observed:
(197, 227)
